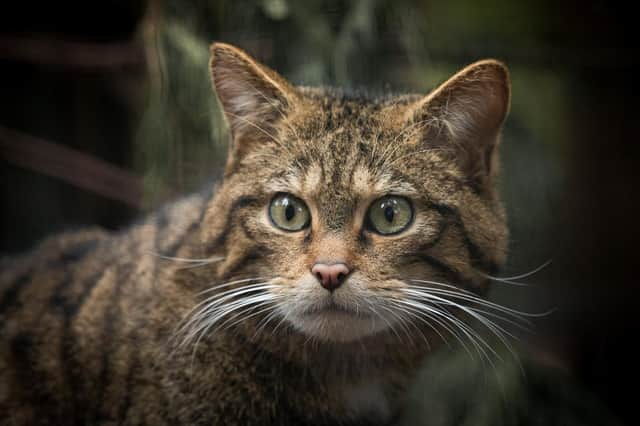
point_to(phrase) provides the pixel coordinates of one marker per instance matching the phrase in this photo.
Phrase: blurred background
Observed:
(106, 111)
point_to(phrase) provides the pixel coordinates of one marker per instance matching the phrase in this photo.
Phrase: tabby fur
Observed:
(91, 321)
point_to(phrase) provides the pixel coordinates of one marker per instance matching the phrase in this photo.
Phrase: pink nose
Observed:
(330, 276)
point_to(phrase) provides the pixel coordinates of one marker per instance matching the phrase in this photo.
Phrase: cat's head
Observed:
(338, 213)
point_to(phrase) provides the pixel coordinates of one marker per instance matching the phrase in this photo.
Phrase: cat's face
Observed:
(343, 208)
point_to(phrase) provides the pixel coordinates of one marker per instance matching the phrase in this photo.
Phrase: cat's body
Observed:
(117, 329)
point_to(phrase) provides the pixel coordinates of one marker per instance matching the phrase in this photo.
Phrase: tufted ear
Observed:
(253, 97)
(464, 116)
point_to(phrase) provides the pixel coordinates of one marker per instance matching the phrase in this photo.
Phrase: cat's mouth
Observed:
(344, 315)
(331, 321)
(333, 308)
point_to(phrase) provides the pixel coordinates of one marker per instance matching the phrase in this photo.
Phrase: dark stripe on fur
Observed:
(221, 239)
(478, 259)
(254, 253)
(111, 319)
(451, 275)
(476, 256)
(71, 254)
(134, 364)
(72, 368)
(69, 306)
(68, 258)
(10, 296)
(31, 380)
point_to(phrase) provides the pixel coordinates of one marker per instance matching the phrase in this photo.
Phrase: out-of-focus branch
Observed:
(71, 166)
(47, 51)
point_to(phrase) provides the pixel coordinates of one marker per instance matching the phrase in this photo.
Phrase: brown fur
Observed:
(88, 320)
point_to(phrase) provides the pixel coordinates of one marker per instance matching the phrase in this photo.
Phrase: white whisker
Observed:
(185, 259)
(402, 323)
(383, 318)
(269, 307)
(421, 307)
(211, 299)
(426, 341)
(467, 295)
(227, 284)
(263, 323)
(215, 301)
(510, 280)
(496, 329)
(205, 324)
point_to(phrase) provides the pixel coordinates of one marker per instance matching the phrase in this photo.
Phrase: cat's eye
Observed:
(289, 213)
(389, 215)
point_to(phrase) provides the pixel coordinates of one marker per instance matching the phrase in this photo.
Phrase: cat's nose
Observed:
(330, 276)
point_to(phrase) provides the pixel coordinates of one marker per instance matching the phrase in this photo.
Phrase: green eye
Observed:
(289, 213)
(389, 215)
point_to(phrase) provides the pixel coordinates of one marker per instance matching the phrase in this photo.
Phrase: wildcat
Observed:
(306, 288)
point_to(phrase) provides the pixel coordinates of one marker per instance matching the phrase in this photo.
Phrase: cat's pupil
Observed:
(389, 213)
(289, 212)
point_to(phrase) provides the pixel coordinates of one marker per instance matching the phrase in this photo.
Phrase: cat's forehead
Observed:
(340, 146)
(338, 149)
(334, 113)
(334, 127)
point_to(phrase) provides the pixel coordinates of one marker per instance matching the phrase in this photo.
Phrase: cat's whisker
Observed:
(202, 327)
(403, 320)
(510, 313)
(202, 309)
(250, 304)
(229, 283)
(282, 321)
(462, 293)
(516, 324)
(252, 313)
(511, 280)
(432, 313)
(494, 328)
(390, 325)
(185, 259)
(219, 299)
(264, 322)
(187, 318)
(480, 345)
(217, 287)
(194, 265)
(435, 296)
(409, 311)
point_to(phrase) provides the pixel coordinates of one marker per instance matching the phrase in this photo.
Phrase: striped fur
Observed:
(90, 321)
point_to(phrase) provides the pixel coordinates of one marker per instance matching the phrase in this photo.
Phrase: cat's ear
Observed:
(253, 97)
(464, 116)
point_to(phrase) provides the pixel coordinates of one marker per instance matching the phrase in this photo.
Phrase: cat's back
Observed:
(30, 278)
(39, 293)
(65, 264)
(61, 308)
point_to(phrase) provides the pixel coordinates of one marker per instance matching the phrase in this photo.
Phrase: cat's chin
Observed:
(336, 324)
